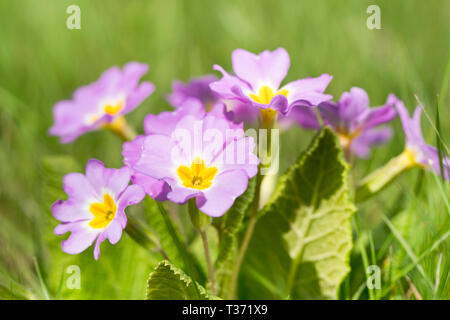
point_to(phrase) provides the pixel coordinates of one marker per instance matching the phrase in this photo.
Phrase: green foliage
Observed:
(42, 62)
(230, 226)
(167, 282)
(301, 243)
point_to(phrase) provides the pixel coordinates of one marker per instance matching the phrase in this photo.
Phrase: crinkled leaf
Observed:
(167, 282)
(301, 244)
(229, 229)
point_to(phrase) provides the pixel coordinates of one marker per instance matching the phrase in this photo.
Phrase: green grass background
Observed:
(42, 62)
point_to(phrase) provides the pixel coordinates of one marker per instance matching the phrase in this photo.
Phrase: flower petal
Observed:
(298, 87)
(81, 237)
(165, 122)
(115, 180)
(157, 189)
(382, 114)
(361, 145)
(230, 87)
(69, 211)
(222, 194)
(411, 126)
(196, 88)
(78, 187)
(114, 231)
(266, 68)
(156, 158)
(181, 194)
(132, 195)
(353, 105)
(138, 95)
(238, 155)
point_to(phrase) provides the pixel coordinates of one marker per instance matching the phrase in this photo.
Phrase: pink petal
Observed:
(226, 187)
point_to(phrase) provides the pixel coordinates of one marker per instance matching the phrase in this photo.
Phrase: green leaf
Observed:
(301, 244)
(167, 282)
(229, 230)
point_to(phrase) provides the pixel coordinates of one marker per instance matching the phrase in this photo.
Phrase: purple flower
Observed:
(197, 88)
(95, 209)
(164, 124)
(257, 80)
(102, 103)
(355, 123)
(206, 157)
(418, 152)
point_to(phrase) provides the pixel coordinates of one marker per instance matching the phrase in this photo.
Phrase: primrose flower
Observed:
(164, 124)
(257, 80)
(102, 103)
(417, 152)
(197, 88)
(206, 157)
(355, 123)
(95, 209)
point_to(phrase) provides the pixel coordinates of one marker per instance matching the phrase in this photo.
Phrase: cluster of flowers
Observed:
(165, 165)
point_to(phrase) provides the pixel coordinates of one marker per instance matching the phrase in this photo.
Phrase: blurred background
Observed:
(42, 62)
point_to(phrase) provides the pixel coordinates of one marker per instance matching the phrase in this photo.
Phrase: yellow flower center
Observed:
(197, 176)
(104, 212)
(113, 109)
(108, 108)
(266, 94)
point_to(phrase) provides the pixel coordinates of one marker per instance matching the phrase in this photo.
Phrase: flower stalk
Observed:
(121, 128)
(380, 178)
(201, 221)
(254, 212)
(135, 230)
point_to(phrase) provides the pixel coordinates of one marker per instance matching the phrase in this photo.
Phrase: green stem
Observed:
(319, 116)
(200, 222)
(246, 240)
(253, 217)
(143, 238)
(211, 272)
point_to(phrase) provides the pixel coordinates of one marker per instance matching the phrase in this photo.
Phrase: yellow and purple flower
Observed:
(257, 80)
(164, 124)
(417, 152)
(356, 124)
(202, 155)
(95, 209)
(102, 103)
